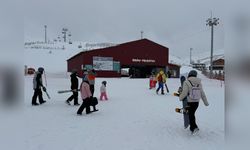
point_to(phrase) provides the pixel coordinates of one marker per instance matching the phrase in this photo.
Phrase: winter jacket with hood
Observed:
(85, 90)
(187, 88)
(91, 77)
(74, 81)
(163, 77)
(103, 88)
(37, 80)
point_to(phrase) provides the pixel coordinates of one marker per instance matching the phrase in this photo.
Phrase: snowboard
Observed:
(65, 91)
(184, 109)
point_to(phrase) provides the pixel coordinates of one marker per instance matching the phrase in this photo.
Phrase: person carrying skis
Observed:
(74, 88)
(161, 78)
(37, 85)
(192, 89)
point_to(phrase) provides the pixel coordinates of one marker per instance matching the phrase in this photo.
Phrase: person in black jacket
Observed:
(74, 88)
(37, 85)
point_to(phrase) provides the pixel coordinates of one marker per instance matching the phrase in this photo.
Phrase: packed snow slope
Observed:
(134, 118)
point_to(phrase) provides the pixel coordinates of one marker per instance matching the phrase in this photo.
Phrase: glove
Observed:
(206, 103)
(44, 89)
(176, 94)
(179, 90)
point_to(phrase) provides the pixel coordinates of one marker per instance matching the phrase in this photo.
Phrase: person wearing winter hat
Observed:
(74, 88)
(103, 90)
(91, 78)
(192, 89)
(161, 78)
(37, 85)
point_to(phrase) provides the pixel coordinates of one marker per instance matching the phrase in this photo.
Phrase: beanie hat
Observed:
(192, 73)
(40, 69)
(74, 71)
(104, 82)
(182, 79)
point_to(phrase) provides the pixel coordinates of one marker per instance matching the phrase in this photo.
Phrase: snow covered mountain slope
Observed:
(53, 56)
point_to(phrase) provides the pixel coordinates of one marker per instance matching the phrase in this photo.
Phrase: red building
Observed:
(218, 64)
(141, 57)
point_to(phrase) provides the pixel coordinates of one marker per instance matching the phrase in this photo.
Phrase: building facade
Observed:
(142, 57)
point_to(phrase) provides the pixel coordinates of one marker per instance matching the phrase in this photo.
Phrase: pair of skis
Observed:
(60, 92)
(47, 94)
(66, 91)
(166, 87)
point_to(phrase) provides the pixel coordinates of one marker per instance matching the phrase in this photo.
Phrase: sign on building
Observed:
(87, 67)
(117, 66)
(103, 63)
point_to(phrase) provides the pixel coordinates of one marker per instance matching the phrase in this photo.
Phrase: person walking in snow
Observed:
(37, 85)
(103, 90)
(192, 89)
(169, 74)
(86, 97)
(161, 78)
(74, 88)
(91, 78)
(152, 81)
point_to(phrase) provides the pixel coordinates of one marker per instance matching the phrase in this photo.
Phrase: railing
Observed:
(219, 75)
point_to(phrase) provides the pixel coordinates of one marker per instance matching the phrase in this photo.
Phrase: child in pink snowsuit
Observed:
(103, 91)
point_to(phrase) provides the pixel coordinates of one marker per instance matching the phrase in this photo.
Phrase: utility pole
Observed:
(191, 56)
(141, 34)
(45, 33)
(212, 22)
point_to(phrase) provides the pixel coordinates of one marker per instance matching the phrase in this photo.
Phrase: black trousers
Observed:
(85, 104)
(92, 89)
(73, 96)
(37, 92)
(191, 111)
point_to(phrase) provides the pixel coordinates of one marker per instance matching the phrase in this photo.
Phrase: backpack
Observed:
(195, 92)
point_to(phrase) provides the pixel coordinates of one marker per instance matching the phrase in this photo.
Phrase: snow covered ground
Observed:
(134, 118)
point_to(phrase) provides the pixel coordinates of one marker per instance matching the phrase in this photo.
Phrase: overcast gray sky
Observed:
(177, 24)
